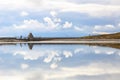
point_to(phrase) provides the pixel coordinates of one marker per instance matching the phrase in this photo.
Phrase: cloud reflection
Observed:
(92, 71)
(71, 62)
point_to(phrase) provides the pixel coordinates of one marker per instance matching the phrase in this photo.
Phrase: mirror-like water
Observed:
(59, 62)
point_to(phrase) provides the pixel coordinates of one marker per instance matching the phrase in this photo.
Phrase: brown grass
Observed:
(105, 36)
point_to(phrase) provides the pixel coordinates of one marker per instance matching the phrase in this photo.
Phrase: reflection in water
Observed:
(59, 62)
(31, 45)
(112, 45)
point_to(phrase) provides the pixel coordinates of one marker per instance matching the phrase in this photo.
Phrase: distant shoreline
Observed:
(64, 41)
(108, 38)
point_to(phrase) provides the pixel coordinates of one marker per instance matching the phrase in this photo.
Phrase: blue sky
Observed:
(64, 18)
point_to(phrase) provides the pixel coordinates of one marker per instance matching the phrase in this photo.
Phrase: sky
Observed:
(59, 18)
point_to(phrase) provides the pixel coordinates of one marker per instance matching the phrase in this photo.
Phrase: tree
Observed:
(30, 36)
(21, 37)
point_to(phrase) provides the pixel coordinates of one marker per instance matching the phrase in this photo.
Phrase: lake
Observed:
(59, 62)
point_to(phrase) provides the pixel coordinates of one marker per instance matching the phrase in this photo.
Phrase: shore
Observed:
(64, 42)
(54, 40)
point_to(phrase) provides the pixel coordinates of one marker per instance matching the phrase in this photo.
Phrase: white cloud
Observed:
(67, 54)
(97, 51)
(48, 59)
(106, 29)
(111, 2)
(57, 20)
(78, 50)
(53, 66)
(53, 13)
(95, 10)
(50, 23)
(33, 25)
(110, 52)
(95, 32)
(84, 72)
(100, 50)
(24, 66)
(92, 71)
(30, 24)
(28, 55)
(91, 8)
(67, 25)
(51, 56)
(78, 28)
(23, 13)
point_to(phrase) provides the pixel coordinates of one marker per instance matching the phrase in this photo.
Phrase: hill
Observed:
(104, 36)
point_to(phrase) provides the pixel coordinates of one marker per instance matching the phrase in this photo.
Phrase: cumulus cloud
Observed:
(48, 24)
(32, 25)
(51, 56)
(53, 13)
(29, 24)
(53, 24)
(67, 25)
(106, 29)
(97, 9)
(28, 55)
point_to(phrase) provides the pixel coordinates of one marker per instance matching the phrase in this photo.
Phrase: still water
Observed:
(59, 62)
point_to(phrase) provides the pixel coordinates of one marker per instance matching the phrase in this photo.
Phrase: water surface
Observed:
(59, 62)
